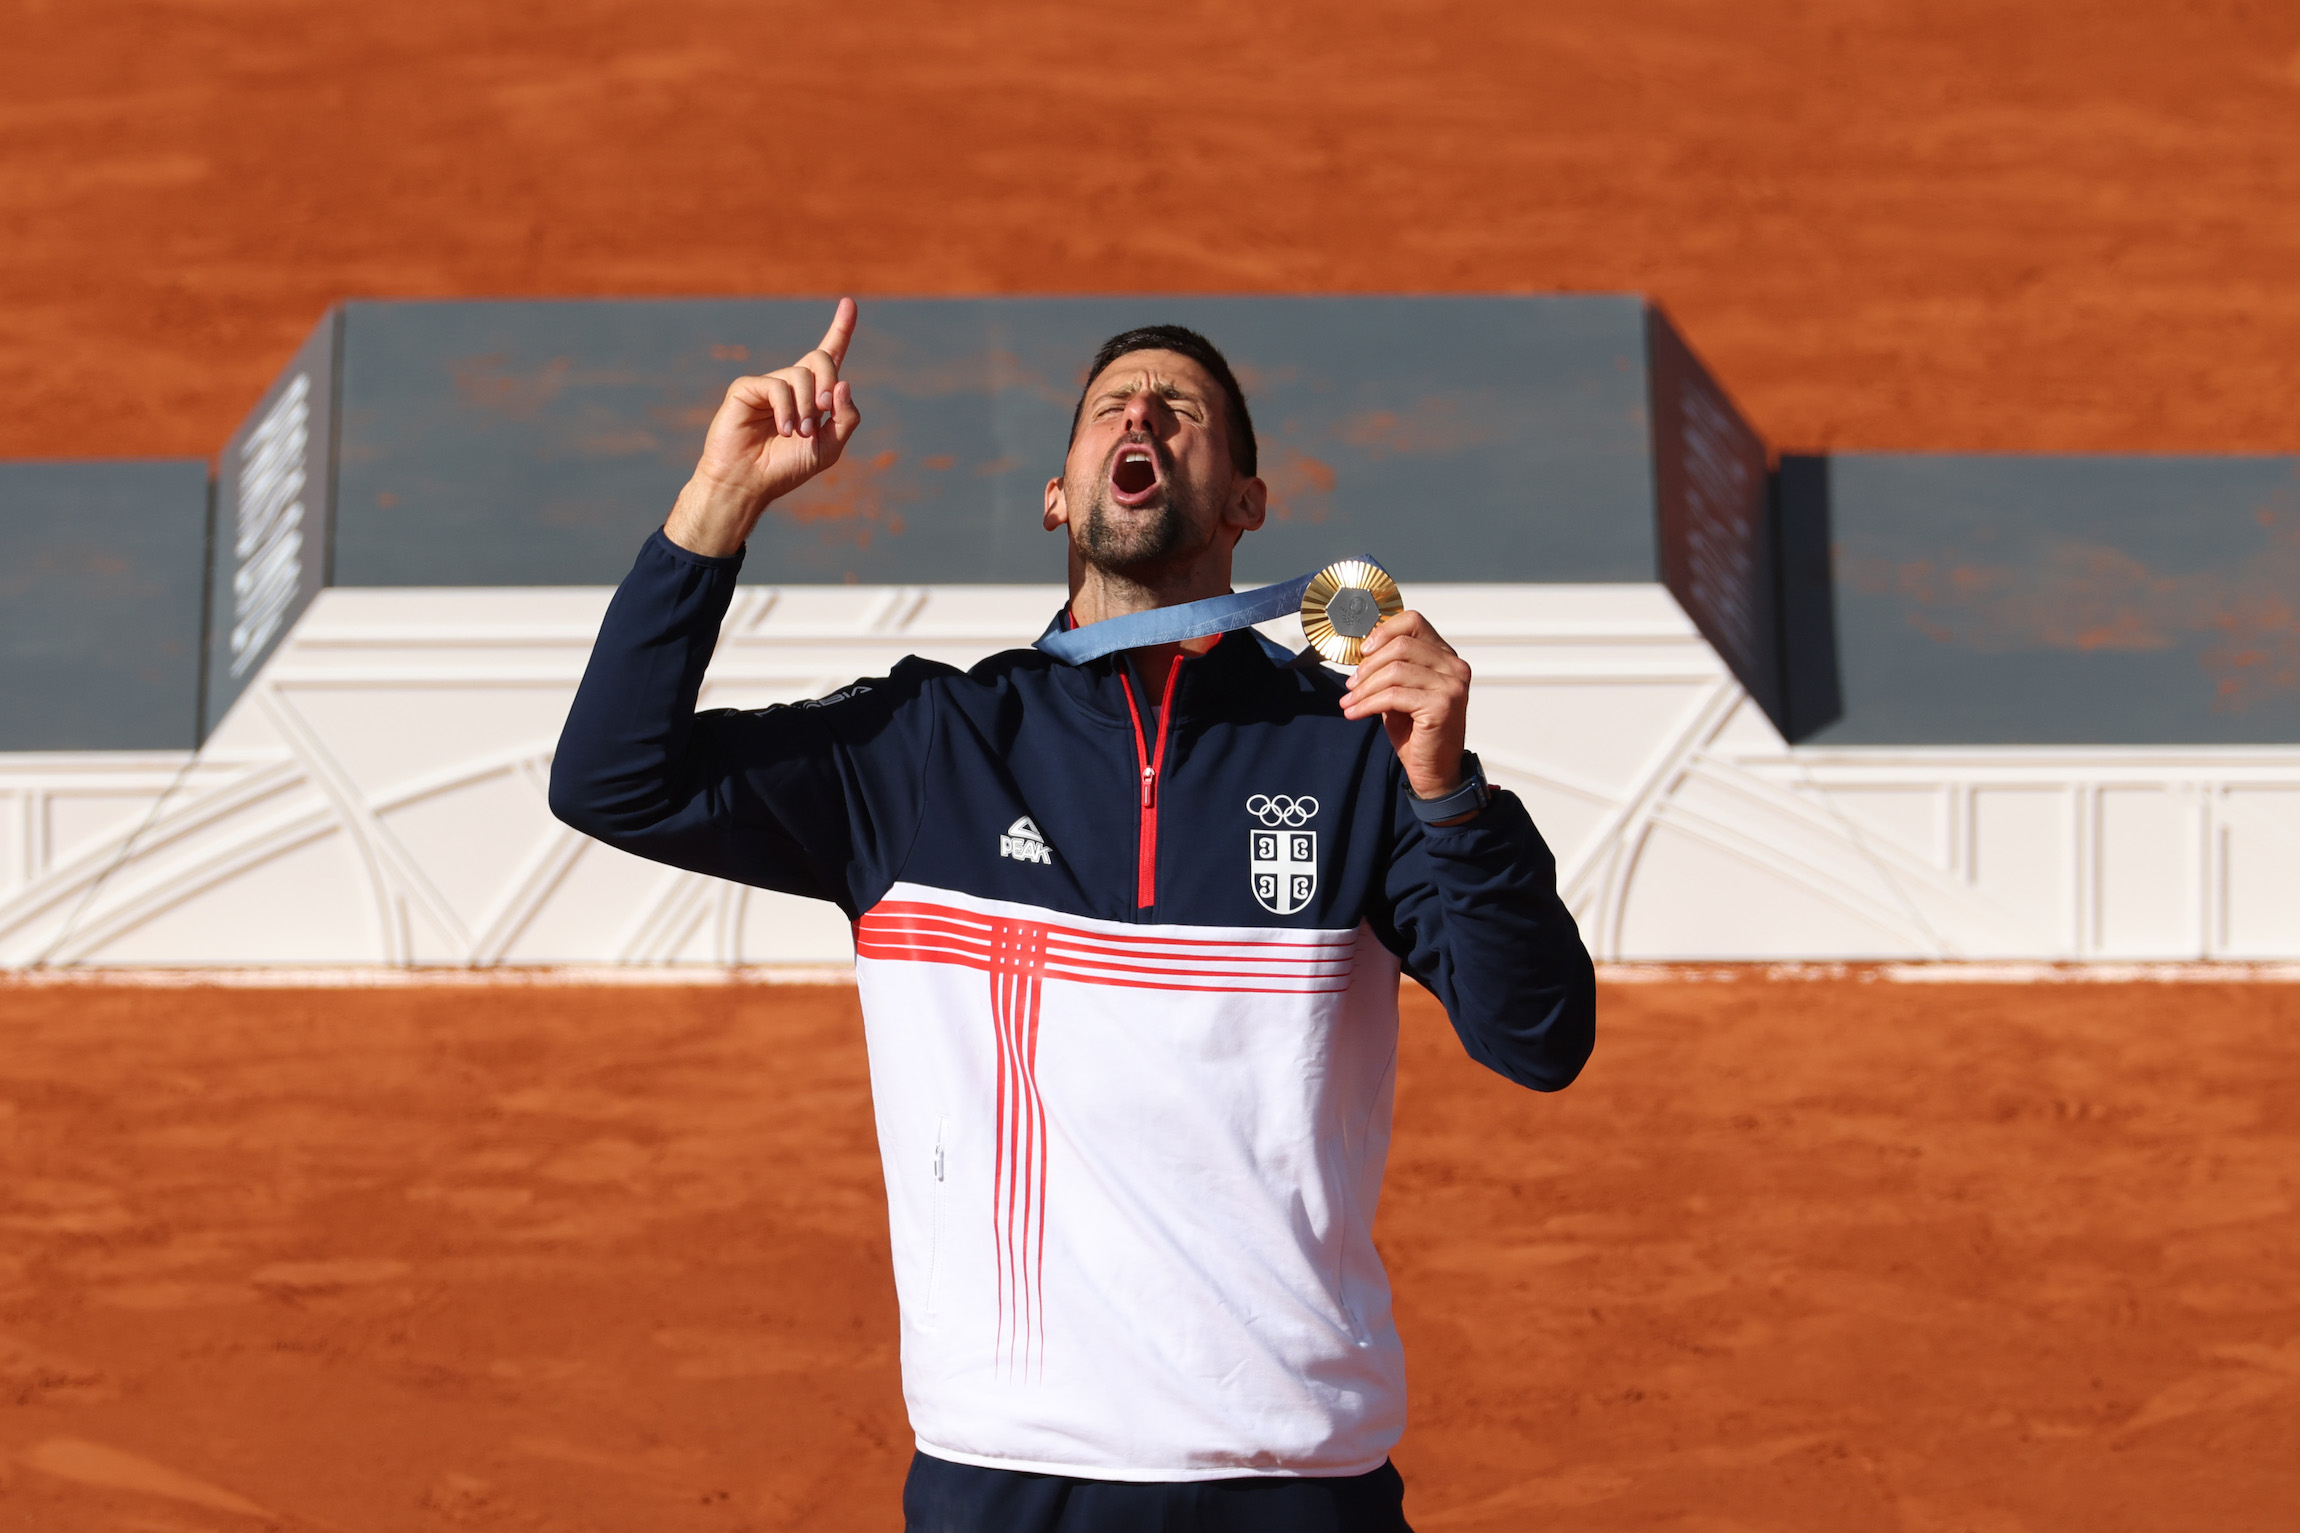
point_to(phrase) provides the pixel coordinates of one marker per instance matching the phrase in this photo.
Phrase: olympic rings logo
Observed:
(1278, 809)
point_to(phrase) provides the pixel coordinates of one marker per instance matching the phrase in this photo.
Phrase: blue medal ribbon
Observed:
(1171, 625)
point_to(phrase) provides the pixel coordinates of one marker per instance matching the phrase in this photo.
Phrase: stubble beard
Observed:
(1136, 546)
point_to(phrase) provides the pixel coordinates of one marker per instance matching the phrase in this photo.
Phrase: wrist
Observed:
(713, 518)
(1465, 799)
(1440, 775)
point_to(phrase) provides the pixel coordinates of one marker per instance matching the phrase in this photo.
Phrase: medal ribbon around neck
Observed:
(1339, 605)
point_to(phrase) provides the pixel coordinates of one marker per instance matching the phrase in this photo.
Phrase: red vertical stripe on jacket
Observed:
(1018, 1193)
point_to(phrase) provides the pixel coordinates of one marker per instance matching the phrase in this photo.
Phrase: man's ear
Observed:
(1058, 517)
(1249, 505)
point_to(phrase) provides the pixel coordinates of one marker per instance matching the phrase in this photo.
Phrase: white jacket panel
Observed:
(1131, 1178)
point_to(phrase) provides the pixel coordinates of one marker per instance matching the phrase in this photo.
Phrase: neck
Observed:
(1097, 594)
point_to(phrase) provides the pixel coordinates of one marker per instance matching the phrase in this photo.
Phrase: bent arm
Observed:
(636, 768)
(1476, 918)
(814, 800)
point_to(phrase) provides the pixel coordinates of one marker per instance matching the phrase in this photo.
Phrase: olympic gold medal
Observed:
(1344, 602)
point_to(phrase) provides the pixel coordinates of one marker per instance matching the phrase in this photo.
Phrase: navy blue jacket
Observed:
(1146, 813)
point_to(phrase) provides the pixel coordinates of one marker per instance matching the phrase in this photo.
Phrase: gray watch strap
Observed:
(1466, 799)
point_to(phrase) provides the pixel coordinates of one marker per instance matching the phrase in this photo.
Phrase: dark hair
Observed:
(1198, 349)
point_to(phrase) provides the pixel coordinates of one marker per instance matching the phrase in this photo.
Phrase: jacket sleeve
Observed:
(819, 798)
(1474, 915)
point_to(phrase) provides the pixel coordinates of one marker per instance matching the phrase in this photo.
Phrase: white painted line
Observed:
(379, 976)
(1955, 973)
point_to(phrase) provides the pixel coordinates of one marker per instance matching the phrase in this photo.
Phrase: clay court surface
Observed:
(1817, 1256)
(1809, 1256)
(1907, 224)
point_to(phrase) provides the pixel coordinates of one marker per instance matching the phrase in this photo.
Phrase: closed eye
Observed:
(1188, 406)
(1181, 403)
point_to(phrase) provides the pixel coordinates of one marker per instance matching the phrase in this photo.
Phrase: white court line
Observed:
(378, 976)
(1950, 972)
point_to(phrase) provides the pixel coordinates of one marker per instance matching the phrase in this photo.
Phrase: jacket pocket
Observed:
(936, 1256)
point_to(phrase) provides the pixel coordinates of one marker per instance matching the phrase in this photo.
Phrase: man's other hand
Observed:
(772, 434)
(1420, 687)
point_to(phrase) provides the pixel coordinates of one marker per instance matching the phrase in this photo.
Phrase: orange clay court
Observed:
(1802, 1255)
(1811, 1255)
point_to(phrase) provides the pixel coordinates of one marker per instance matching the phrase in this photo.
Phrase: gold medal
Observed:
(1343, 603)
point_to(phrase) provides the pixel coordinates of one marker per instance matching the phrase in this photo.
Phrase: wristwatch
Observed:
(1469, 798)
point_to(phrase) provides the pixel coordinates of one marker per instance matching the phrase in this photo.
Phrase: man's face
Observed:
(1149, 484)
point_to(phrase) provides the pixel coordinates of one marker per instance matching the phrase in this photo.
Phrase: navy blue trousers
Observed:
(942, 1497)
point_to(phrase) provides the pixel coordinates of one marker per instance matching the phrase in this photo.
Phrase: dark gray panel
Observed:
(1713, 507)
(100, 575)
(1812, 695)
(2075, 600)
(537, 442)
(274, 486)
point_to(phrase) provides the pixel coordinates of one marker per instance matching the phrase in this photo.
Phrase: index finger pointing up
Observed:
(841, 331)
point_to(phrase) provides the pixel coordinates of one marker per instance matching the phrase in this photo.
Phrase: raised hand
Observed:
(772, 434)
(1420, 687)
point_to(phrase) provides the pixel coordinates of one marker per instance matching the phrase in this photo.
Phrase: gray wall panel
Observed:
(1714, 516)
(1812, 695)
(275, 486)
(537, 442)
(2066, 600)
(100, 575)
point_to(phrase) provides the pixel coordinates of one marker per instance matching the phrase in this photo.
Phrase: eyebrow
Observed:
(1163, 390)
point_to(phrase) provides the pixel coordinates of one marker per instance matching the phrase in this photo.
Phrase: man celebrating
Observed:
(1128, 929)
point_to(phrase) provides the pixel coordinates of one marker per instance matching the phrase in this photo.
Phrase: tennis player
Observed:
(1130, 912)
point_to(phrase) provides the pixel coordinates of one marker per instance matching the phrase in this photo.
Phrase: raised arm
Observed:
(817, 799)
(772, 434)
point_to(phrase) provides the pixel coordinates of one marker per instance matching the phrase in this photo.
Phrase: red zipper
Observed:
(1146, 858)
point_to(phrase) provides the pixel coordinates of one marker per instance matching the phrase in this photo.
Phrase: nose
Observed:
(1147, 413)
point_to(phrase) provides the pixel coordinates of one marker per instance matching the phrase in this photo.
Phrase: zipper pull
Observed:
(1149, 787)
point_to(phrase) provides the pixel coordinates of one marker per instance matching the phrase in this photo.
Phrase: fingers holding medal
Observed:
(1407, 674)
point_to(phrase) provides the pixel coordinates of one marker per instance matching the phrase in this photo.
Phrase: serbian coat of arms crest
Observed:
(1283, 860)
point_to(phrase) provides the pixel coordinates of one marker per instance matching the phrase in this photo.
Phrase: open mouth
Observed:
(1134, 476)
